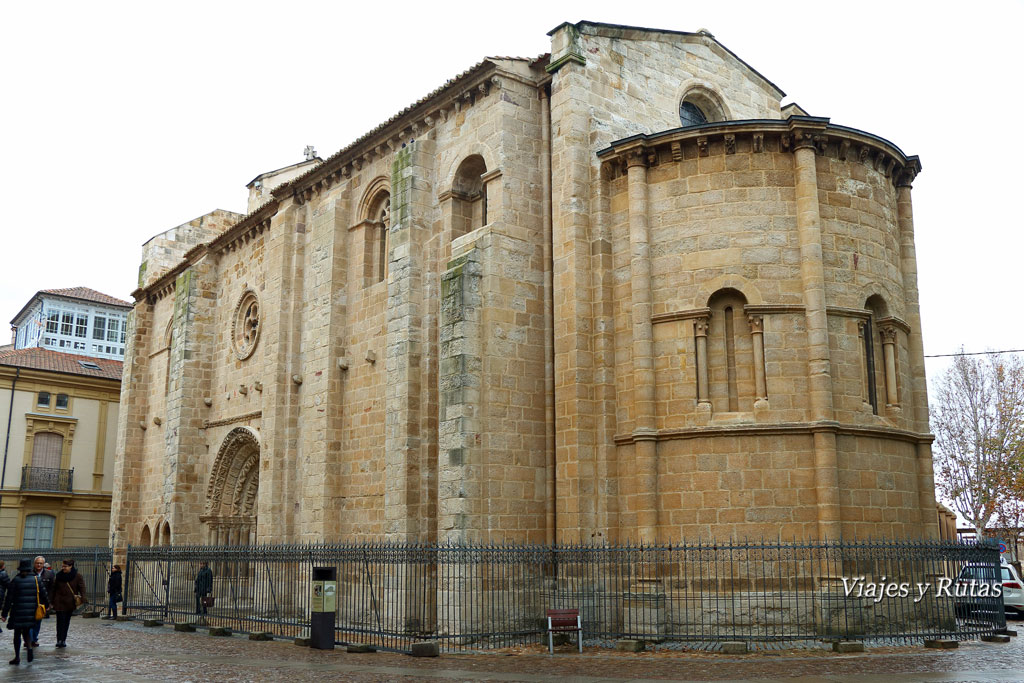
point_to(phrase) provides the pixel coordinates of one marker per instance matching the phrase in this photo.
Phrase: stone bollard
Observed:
(995, 639)
(359, 648)
(847, 646)
(91, 615)
(123, 617)
(220, 631)
(627, 645)
(152, 622)
(735, 647)
(942, 644)
(262, 635)
(425, 648)
(302, 642)
(184, 628)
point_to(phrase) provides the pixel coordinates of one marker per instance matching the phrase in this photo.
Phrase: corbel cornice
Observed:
(796, 132)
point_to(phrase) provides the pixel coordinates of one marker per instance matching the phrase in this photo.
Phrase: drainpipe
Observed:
(550, 531)
(7, 435)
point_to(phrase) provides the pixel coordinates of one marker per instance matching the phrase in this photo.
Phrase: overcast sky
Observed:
(122, 120)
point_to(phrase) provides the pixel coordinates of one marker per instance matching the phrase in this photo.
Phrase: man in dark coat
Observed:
(19, 609)
(204, 586)
(45, 576)
(68, 585)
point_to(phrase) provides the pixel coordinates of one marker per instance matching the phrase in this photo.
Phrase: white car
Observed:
(1013, 590)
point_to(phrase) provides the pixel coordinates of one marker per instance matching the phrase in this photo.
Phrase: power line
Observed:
(973, 353)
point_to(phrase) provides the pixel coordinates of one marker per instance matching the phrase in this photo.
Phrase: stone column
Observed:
(757, 337)
(889, 358)
(915, 346)
(812, 275)
(125, 503)
(411, 201)
(644, 430)
(575, 420)
(700, 329)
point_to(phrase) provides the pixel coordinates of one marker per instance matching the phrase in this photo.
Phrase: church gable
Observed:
(640, 77)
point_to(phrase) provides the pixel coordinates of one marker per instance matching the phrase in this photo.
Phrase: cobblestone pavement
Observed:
(115, 651)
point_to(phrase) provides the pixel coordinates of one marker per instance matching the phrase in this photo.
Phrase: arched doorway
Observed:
(231, 495)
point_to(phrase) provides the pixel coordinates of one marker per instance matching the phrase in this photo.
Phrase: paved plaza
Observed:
(128, 651)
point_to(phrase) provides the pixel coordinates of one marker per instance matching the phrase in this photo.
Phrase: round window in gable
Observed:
(691, 115)
(245, 328)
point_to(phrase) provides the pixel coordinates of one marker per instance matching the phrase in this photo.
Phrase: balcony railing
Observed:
(46, 479)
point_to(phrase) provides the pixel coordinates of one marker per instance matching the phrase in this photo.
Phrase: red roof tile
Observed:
(66, 363)
(86, 294)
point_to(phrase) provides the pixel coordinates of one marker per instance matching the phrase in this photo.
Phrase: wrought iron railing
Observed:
(46, 479)
(93, 563)
(390, 596)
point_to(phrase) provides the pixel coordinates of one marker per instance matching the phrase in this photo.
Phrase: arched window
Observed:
(165, 534)
(469, 196)
(730, 360)
(701, 105)
(38, 531)
(169, 339)
(46, 450)
(691, 115)
(375, 219)
(874, 371)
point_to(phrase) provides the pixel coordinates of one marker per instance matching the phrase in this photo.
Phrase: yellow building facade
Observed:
(58, 429)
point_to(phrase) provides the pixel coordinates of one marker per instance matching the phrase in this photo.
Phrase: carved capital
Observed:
(804, 138)
(636, 157)
(888, 333)
(906, 175)
(756, 324)
(701, 325)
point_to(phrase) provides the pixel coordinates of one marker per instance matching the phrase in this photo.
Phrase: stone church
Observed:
(616, 293)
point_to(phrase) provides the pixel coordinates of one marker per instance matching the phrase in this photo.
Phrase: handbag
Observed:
(118, 597)
(208, 600)
(79, 600)
(40, 610)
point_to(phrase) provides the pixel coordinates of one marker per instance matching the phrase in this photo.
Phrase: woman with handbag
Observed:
(23, 606)
(68, 594)
(114, 585)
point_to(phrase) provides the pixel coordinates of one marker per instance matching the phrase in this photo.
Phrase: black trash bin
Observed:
(323, 605)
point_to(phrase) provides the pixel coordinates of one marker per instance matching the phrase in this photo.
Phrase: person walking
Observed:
(114, 587)
(45, 575)
(5, 581)
(203, 586)
(25, 595)
(68, 593)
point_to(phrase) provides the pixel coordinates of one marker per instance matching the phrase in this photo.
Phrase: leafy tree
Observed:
(978, 420)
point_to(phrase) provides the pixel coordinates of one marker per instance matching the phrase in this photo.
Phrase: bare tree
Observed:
(978, 421)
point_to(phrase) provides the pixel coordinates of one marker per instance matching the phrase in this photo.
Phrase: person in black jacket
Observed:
(114, 586)
(23, 595)
(203, 586)
(5, 581)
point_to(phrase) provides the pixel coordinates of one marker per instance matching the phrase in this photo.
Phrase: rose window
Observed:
(246, 326)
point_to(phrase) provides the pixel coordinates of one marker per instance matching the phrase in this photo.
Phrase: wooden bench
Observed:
(564, 621)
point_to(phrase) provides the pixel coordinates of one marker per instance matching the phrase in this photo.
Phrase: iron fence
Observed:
(93, 563)
(471, 597)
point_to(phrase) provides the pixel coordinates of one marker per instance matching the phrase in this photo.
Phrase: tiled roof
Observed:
(66, 363)
(465, 75)
(86, 294)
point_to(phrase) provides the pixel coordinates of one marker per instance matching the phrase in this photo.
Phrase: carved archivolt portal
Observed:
(245, 326)
(234, 481)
